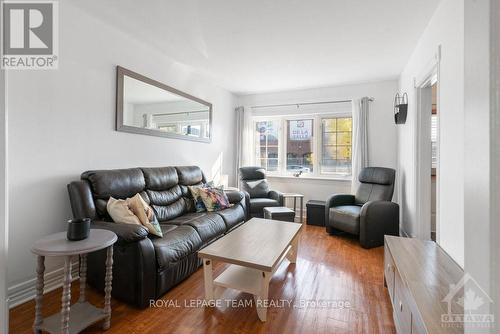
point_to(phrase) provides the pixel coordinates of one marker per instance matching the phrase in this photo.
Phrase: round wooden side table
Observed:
(82, 314)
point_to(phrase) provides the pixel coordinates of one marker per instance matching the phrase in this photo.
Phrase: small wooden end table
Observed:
(295, 196)
(83, 314)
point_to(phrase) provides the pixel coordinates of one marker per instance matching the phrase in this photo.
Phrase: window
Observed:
(266, 144)
(299, 146)
(336, 146)
(316, 145)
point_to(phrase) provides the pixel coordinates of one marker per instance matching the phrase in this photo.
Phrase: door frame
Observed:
(429, 76)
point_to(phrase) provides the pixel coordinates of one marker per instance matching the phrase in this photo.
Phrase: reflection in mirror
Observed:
(149, 107)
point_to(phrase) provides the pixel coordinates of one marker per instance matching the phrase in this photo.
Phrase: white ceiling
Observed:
(249, 46)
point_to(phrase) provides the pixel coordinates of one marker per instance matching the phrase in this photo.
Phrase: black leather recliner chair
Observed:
(254, 184)
(370, 214)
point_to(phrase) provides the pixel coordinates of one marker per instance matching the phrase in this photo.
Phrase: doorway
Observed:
(427, 155)
(434, 160)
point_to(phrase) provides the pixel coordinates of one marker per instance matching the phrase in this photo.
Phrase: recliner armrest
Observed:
(378, 218)
(276, 195)
(337, 200)
(125, 232)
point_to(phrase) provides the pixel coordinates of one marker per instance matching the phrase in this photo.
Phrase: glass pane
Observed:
(344, 124)
(336, 145)
(343, 138)
(329, 138)
(344, 152)
(329, 152)
(272, 165)
(266, 142)
(299, 146)
(329, 125)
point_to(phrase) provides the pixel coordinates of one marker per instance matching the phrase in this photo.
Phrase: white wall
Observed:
(381, 130)
(4, 222)
(62, 123)
(446, 28)
(482, 182)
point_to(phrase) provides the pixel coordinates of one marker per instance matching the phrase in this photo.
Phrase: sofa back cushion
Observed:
(164, 192)
(254, 182)
(118, 183)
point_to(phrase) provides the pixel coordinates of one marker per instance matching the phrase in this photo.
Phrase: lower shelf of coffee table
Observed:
(81, 316)
(240, 278)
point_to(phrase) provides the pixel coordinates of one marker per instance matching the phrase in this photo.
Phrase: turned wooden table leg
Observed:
(107, 288)
(83, 277)
(66, 295)
(40, 270)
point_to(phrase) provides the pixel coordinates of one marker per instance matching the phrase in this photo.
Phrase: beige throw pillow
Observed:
(120, 212)
(145, 214)
(134, 210)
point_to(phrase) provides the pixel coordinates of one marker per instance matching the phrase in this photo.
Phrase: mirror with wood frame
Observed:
(146, 106)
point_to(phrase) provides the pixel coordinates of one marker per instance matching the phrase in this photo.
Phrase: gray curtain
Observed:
(360, 159)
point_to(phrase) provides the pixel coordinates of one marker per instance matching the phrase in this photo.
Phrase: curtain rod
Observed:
(306, 103)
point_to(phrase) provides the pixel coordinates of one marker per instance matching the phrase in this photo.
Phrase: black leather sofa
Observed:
(370, 214)
(146, 267)
(254, 184)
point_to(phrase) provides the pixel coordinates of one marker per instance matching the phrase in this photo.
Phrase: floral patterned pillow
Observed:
(215, 199)
(198, 202)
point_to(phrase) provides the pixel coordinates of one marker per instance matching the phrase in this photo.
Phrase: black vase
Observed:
(78, 229)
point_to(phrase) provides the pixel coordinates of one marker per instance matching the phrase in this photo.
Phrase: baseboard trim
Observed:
(21, 293)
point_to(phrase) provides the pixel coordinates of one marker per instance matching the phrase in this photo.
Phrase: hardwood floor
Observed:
(328, 269)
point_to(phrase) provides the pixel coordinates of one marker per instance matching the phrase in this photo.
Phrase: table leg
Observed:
(107, 288)
(294, 207)
(302, 210)
(40, 270)
(83, 277)
(66, 296)
(261, 300)
(209, 281)
(292, 253)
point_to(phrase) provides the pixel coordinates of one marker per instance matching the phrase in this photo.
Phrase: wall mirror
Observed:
(149, 107)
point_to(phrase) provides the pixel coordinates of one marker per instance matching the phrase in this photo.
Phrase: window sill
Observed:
(306, 177)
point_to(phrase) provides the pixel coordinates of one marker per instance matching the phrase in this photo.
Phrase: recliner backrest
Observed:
(377, 184)
(254, 182)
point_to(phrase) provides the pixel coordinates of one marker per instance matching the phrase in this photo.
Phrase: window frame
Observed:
(317, 145)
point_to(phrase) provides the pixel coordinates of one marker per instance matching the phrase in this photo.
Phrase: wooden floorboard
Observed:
(328, 269)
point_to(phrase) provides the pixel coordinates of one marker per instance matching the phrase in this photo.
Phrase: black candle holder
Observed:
(78, 229)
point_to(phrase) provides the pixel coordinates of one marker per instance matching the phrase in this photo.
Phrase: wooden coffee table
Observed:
(254, 251)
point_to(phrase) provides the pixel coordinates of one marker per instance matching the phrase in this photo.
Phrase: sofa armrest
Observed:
(336, 200)
(234, 196)
(378, 218)
(276, 195)
(125, 232)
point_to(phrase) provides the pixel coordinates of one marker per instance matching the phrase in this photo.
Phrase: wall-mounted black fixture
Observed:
(400, 108)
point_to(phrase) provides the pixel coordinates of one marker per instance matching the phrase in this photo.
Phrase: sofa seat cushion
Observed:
(232, 216)
(346, 218)
(208, 225)
(258, 204)
(177, 243)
